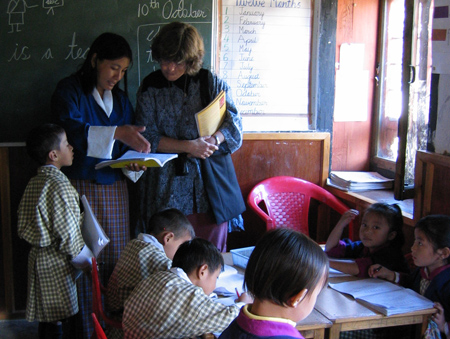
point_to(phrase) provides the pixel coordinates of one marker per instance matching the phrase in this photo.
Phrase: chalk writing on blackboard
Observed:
(74, 52)
(50, 5)
(47, 40)
(16, 14)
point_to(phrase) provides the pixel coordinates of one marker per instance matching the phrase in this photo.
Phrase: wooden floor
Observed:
(18, 329)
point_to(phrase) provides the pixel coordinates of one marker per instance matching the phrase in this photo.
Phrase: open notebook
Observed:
(383, 296)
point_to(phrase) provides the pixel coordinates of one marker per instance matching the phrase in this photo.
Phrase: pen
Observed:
(378, 269)
(237, 292)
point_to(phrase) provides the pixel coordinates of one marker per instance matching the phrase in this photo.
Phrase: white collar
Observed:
(182, 274)
(106, 103)
(150, 239)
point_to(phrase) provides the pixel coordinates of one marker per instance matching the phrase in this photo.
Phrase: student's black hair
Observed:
(196, 252)
(43, 139)
(172, 220)
(107, 46)
(283, 263)
(394, 217)
(436, 228)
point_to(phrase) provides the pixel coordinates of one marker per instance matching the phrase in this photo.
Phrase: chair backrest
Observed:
(287, 200)
(97, 306)
(99, 333)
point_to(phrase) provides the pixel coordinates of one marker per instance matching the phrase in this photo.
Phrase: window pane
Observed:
(390, 76)
(419, 99)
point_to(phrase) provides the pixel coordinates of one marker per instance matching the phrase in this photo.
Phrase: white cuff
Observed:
(397, 277)
(100, 141)
(132, 175)
(83, 259)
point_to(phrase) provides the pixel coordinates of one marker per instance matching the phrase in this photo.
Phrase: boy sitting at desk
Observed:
(148, 254)
(175, 303)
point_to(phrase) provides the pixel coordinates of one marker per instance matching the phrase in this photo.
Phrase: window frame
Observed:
(390, 168)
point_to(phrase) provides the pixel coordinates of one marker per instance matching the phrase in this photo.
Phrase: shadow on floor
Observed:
(18, 329)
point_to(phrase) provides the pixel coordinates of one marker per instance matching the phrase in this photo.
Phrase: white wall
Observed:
(441, 65)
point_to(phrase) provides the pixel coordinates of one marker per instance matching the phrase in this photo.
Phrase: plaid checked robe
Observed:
(167, 306)
(49, 219)
(137, 262)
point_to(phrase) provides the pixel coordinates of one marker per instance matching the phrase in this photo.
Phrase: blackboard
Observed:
(43, 41)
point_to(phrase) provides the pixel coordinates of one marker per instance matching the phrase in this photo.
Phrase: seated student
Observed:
(49, 220)
(285, 273)
(431, 255)
(147, 254)
(175, 303)
(382, 238)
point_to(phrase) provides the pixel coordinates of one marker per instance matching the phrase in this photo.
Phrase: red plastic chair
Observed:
(98, 330)
(97, 305)
(287, 200)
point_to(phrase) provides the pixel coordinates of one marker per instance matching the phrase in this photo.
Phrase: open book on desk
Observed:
(211, 117)
(383, 296)
(142, 159)
(229, 280)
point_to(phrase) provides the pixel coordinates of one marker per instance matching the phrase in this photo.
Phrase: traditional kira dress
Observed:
(83, 116)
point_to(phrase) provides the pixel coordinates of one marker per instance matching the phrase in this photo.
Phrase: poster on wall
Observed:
(265, 59)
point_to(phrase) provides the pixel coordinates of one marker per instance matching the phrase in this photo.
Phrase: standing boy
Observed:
(49, 219)
(175, 303)
(148, 254)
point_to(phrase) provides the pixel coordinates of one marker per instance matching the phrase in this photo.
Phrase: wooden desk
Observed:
(346, 314)
(335, 312)
(313, 326)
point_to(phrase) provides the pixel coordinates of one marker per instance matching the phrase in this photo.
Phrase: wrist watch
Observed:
(217, 140)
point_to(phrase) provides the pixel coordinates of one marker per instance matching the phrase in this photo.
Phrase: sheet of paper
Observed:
(229, 281)
(364, 287)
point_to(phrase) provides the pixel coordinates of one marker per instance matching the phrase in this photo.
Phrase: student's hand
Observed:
(439, 317)
(336, 232)
(347, 217)
(131, 135)
(245, 298)
(378, 271)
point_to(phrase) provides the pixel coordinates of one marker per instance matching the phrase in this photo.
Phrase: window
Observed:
(403, 84)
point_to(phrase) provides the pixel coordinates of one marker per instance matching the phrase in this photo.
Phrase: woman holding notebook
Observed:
(167, 102)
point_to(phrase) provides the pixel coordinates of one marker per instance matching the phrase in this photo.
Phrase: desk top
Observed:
(314, 321)
(336, 309)
(339, 307)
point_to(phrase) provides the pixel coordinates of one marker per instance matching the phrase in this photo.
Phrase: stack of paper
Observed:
(383, 296)
(358, 181)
